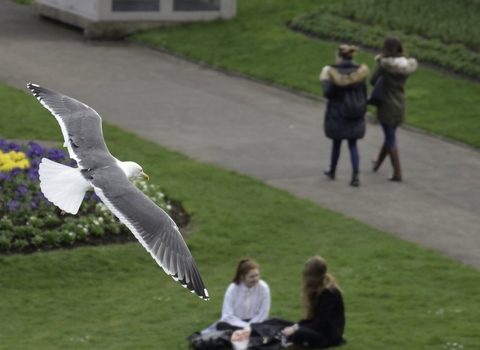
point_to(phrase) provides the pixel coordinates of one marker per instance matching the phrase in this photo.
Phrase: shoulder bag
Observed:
(377, 96)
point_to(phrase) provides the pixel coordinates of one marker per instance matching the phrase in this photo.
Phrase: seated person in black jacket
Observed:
(323, 310)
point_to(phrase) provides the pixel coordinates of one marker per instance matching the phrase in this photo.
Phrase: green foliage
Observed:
(6, 224)
(23, 2)
(37, 240)
(5, 242)
(51, 238)
(336, 23)
(20, 244)
(444, 20)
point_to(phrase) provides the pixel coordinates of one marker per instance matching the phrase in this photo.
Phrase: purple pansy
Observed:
(22, 189)
(56, 154)
(13, 205)
(5, 177)
(12, 146)
(35, 150)
(33, 175)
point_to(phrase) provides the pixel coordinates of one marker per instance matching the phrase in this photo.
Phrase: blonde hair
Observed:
(244, 267)
(315, 281)
(347, 51)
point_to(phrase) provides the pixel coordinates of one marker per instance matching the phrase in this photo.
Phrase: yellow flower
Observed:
(4, 158)
(13, 160)
(16, 156)
(23, 164)
(6, 167)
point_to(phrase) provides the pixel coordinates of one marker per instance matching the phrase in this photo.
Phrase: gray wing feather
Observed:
(153, 228)
(81, 127)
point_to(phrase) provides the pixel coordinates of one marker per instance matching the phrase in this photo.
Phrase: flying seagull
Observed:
(109, 178)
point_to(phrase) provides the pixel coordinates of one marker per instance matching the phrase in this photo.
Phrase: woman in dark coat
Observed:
(344, 86)
(323, 310)
(392, 64)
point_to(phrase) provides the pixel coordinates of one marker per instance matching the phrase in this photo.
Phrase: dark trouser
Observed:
(354, 156)
(223, 326)
(307, 338)
(389, 132)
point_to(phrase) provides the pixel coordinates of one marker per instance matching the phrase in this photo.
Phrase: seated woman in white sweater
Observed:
(246, 301)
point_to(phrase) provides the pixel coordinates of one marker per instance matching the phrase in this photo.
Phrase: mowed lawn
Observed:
(258, 43)
(397, 295)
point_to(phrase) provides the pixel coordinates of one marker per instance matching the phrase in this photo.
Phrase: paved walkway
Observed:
(251, 128)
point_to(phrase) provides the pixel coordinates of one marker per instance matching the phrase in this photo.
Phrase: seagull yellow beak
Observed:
(145, 176)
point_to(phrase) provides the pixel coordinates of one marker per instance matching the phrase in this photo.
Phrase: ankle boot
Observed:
(355, 180)
(329, 172)
(377, 162)
(397, 172)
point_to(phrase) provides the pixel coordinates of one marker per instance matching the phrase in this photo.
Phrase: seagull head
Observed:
(133, 170)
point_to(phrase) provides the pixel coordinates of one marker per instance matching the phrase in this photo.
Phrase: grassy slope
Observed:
(398, 295)
(257, 43)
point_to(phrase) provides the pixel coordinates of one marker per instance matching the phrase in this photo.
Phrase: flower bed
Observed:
(29, 222)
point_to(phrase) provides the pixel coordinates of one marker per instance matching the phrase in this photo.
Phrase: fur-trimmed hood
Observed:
(399, 65)
(342, 79)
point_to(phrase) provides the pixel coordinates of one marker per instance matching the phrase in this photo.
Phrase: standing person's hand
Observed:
(324, 74)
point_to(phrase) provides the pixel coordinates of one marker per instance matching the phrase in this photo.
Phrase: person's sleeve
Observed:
(228, 309)
(262, 312)
(329, 89)
(326, 304)
(375, 73)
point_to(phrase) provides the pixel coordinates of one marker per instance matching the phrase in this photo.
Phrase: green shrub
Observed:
(371, 25)
(24, 232)
(20, 244)
(67, 237)
(449, 22)
(35, 222)
(37, 240)
(52, 222)
(5, 242)
(6, 224)
(52, 238)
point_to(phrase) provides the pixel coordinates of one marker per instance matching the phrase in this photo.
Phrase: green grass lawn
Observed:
(23, 2)
(257, 43)
(397, 295)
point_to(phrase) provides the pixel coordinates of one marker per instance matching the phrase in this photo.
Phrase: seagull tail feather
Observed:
(62, 185)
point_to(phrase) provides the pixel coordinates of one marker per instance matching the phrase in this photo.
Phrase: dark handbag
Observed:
(216, 340)
(377, 96)
(268, 334)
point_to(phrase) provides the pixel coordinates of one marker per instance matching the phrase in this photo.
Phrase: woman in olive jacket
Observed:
(395, 68)
(345, 88)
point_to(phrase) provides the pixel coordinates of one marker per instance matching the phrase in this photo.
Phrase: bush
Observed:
(51, 238)
(448, 22)
(37, 240)
(370, 27)
(5, 243)
(20, 244)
